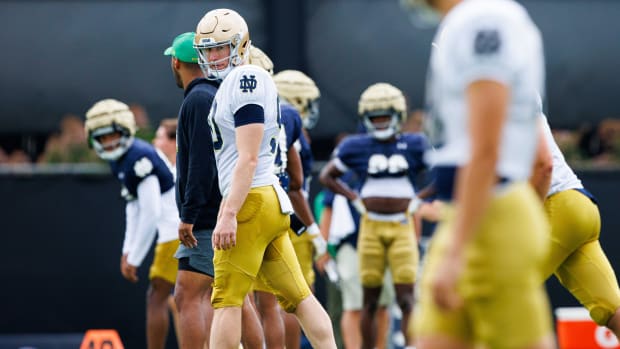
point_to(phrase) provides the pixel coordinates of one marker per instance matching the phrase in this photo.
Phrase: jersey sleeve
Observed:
(149, 210)
(481, 48)
(137, 172)
(420, 145)
(345, 153)
(247, 99)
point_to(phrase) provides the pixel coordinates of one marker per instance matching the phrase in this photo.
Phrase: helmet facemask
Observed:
(312, 114)
(107, 117)
(210, 68)
(111, 150)
(383, 130)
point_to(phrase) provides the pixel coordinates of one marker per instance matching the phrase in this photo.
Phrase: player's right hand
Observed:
(444, 284)
(129, 271)
(224, 235)
(186, 235)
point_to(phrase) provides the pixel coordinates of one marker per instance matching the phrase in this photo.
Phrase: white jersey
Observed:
(244, 91)
(171, 167)
(485, 40)
(562, 177)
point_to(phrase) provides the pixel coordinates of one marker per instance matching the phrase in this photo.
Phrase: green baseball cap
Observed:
(183, 48)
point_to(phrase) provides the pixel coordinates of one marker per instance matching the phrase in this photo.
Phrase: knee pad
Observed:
(601, 315)
(289, 305)
(404, 274)
(371, 278)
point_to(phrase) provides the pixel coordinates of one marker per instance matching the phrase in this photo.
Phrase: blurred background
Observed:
(62, 217)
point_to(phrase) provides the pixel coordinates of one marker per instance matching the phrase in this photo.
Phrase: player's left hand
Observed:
(445, 282)
(225, 232)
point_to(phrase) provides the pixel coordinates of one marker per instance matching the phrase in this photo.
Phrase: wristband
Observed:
(414, 204)
(313, 229)
(320, 246)
(359, 205)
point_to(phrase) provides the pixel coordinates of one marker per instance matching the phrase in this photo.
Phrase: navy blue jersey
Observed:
(291, 132)
(140, 161)
(369, 157)
(305, 153)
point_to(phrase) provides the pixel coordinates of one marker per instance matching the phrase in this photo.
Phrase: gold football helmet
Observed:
(381, 100)
(301, 92)
(221, 27)
(260, 58)
(106, 117)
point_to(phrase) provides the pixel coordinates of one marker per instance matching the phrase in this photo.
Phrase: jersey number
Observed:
(274, 142)
(216, 134)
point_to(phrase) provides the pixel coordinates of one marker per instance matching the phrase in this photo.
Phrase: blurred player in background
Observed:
(165, 142)
(481, 284)
(341, 220)
(148, 186)
(299, 106)
(198, 200)
(250, 238)
(576, 257)
(387, 163)
(266, 302)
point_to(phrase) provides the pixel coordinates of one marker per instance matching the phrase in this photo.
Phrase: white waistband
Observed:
(386, 217)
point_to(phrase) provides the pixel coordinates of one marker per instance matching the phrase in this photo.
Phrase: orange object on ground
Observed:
(576, 330)
(102, 339)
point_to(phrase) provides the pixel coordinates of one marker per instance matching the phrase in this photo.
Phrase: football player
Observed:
(576, 256)
(481, 284)
(299, 105)
(341, 220)
(148, 186)
(251, 235)
(165, 142)
(387, 163)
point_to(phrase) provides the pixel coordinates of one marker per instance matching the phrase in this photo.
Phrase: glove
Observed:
(359, 205)
(414, 204)
(320, 245)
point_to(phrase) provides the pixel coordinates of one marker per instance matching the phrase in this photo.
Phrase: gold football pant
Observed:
(505, 305)
(263, 250)
(577, 258)
(387, 238)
